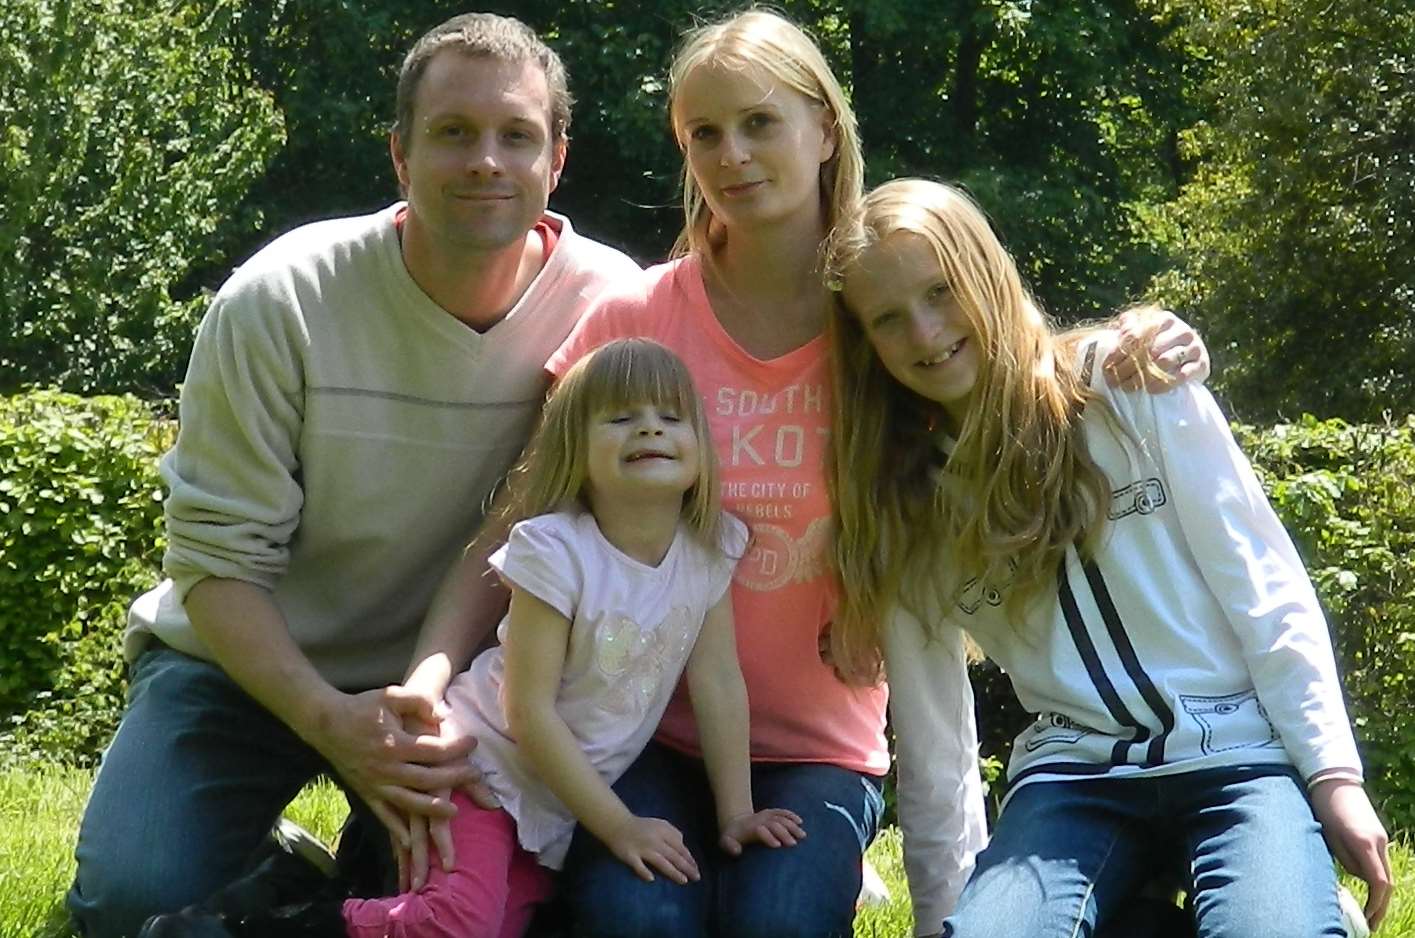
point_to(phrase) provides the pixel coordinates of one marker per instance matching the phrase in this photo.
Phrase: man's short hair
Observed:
(503, 38)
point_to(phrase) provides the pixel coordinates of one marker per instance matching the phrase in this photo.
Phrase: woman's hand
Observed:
(1357, 839)
(773, 827)
(1159, 336)
(645, 844)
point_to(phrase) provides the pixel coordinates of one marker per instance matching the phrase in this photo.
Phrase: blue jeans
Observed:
(1067, 855)
(805, 890)
(188, 789)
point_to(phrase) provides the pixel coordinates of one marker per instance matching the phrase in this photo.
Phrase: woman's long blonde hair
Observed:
(622, 373)
(1017, 488)
(769, 44)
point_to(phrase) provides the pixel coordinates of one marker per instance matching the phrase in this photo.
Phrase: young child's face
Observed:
(914, 322)
(641, 450)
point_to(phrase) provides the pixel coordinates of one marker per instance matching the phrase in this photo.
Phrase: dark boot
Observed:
(188, 923)
(284, 895)
(364, 856)
(320, 918)
(280, 879)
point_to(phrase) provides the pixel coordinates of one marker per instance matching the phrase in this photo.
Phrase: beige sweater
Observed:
(340, 434)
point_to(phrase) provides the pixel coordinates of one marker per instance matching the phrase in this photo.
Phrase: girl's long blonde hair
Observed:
(626, 372)
(1017, 488)
(769, 44)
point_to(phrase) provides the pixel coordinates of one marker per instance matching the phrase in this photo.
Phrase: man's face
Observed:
(480, 162)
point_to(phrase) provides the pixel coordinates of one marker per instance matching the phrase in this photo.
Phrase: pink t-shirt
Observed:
(769, 422)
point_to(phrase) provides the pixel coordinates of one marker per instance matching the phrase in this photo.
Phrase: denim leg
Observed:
(806, 890)
(192, 782)
(606, 899)
(1260, 866)
(1064, 856)
(809, 890)
(1153, 912)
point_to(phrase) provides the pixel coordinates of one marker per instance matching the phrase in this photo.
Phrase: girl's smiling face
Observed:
(639, 451)
(754, 145)
(897, 291)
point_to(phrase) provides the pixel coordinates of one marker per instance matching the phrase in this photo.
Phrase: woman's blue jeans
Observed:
(805, 891)
(187, 791)
(1066, 856)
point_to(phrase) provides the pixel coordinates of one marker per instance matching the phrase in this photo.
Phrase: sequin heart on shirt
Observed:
(638, 661)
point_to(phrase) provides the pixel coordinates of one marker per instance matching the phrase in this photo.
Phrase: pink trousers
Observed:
(491, 894)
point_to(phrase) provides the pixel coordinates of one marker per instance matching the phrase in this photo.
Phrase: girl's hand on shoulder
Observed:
(773, 827)
(1356, 838)
(646, 844)
(1157, 335)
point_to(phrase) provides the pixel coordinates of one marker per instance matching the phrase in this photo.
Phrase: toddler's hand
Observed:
(1356, 838)
(644, 842)
(774, 827)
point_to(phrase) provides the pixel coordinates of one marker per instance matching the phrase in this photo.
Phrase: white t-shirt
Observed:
(632, 629)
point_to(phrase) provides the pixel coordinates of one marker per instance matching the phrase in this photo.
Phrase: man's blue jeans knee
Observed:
(190, 786)
(805, 890)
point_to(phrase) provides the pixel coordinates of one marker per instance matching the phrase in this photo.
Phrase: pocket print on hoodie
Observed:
(1233, 721)
(1052, 728)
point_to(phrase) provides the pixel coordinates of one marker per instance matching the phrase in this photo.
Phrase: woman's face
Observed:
(754, 145)
(915, 324)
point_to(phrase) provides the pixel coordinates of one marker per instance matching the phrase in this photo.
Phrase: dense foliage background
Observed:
(80, 535)
(1249, 162)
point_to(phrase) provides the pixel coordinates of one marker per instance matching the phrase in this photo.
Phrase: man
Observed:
(355, 392)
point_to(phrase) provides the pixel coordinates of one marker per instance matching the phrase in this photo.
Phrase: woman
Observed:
(772, 158)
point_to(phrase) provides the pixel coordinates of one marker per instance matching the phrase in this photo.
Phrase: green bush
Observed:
(129, 132)
(1347, 494)
(80, 536)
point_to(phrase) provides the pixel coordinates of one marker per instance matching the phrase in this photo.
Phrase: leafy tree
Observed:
(128, 130)
(1298, 232)
(1059, 118)
(167, 165)
(332, 68)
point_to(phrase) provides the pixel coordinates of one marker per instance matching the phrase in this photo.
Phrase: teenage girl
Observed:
(1114, 553)
(771, 157)
(618, 564)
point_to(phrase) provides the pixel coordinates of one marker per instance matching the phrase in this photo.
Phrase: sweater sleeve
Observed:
(1247, 559)
(940, 791)
(233, 476)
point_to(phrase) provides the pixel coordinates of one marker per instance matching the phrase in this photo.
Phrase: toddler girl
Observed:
(619, 563)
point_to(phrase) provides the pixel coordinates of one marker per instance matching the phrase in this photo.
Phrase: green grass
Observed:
(40, 808)
(39, 817)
